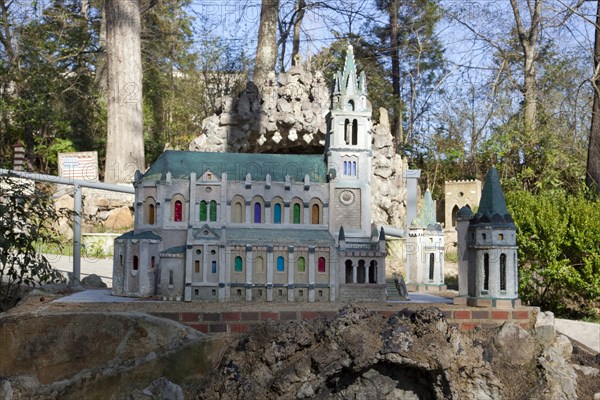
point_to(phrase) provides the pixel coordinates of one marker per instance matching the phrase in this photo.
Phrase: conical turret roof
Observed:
(492, 206)
(426, 217)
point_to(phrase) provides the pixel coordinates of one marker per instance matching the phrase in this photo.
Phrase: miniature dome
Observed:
(465, 213)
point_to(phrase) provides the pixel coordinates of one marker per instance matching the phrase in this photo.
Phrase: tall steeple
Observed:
(348, 85)
(426, 217)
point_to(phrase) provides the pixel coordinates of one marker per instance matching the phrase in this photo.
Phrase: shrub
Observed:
(559, 251)
(26, 217)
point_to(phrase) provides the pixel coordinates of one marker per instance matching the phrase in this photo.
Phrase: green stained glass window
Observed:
(213, 210)
(296, 211)
(238, 264)
(301, 264)
(203, 207)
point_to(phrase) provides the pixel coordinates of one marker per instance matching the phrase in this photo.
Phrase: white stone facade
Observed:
(260, 227)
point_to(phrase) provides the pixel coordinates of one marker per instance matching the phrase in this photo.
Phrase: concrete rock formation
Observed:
(290, 116)
(96, 355)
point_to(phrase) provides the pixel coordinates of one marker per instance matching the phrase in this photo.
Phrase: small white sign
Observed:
(82, 165)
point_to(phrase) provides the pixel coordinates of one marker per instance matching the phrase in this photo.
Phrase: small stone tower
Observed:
(492, 276)
(426, 241)
(348, 152)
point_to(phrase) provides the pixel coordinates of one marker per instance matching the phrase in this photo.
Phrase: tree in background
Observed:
(266, 49)
(125, 129)
(47, 90)
(417, 62)
(592, 176)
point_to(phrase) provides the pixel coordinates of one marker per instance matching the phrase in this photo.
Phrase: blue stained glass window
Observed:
(280, 264)
(277, 214)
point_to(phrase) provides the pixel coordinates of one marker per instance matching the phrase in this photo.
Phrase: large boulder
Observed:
(109, 355)
(119, 218)
(93, 281)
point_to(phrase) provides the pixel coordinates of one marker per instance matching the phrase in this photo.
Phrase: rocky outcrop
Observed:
(388, 190)
(290, 116)
(111, 210)
(97, 355)
(357, 355)
(286, 116)
(410, 355)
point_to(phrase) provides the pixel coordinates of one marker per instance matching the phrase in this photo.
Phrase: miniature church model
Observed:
(261, 227)
(426, 242)
(487, 251)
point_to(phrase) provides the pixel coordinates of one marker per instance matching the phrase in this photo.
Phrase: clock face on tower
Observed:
(346, 197)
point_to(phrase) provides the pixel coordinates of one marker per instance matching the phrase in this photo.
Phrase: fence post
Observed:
(77, 234)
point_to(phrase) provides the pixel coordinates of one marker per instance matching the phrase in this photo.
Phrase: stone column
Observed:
(311, 274)
(227, 268)
(188, 274)
(193, 208)
(291, 269)
(223, 265)
(270, 273)
(411, 175)
(204, 264)
(248, 273)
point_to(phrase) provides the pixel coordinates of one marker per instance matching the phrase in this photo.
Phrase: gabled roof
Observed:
(237, 165)
(492, 206)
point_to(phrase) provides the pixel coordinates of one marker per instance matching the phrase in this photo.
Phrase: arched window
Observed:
(136, 263)
(259, 265)
(373, 272)
(316, 214)
(280, 264)
(321, 265)
(238, 264)
(301, 265)
(214, 267)
(353, 172)
(349, 272)
(346, 168)
(455, 210)
(203, 213)
(257, 213)
(347, 131)
(151, 214)
(502, 271)
(431, 265)
(296, 213)
(178, 211)
(354, 132)
(486, 272)
(152, 263)
(360, 271)
(237, 212)
(350, 105)
(213, 211)
(277, 213)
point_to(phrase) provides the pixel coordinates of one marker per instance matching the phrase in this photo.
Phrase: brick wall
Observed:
(236, 322)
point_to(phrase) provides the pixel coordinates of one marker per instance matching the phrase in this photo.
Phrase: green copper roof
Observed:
(280, 237)
(426, 217)
(238, 165)
(147, 235)
(492, 206)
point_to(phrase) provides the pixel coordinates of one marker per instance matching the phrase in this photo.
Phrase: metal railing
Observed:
(77, 185)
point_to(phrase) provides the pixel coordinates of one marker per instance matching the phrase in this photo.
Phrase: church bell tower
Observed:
(349, 153)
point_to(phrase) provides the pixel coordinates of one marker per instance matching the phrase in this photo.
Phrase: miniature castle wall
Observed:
(459, 194)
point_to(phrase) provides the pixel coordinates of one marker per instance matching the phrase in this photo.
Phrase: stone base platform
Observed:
(487, 302)
(424, 288)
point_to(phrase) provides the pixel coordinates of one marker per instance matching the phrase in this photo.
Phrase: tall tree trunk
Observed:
(101, 59)
(125, 137)
(592, 176)
(395, 56)
(528, 39)
(297, 27)
(266, 50)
